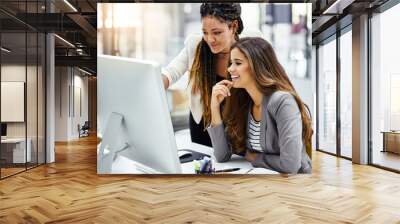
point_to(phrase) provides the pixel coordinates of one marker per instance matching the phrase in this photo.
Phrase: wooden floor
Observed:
(10, 171)
(387, 159)
(70, 191)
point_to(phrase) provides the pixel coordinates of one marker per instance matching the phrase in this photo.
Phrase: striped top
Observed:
(253, 135)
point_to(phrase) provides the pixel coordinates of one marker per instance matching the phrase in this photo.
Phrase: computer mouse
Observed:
(186, 155)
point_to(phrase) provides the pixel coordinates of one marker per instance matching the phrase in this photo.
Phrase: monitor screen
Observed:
(3, 129)
(133, 89)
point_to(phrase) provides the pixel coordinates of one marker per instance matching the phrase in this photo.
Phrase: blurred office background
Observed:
(355, 47)
(157, 32)
(48, 79)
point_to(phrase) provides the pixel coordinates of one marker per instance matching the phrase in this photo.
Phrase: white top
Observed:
(183, 62)
(253, 135)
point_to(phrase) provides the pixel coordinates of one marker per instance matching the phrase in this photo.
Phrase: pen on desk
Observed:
(227, 170)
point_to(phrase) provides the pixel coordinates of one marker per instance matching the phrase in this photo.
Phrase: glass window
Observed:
(22, 93)
(14, 153)
(346, 94)
(31, 101)
(314, 108)
(385, 89)
(327, 97)
(41, 79)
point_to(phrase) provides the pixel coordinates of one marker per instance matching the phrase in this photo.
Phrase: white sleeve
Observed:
(180, 64)
(252, 33)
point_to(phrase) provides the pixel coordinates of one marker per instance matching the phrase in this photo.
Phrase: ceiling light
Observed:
(64, 40)
(5, 50)
(70, 5)
(337, 7)
(86, 72)
(79, 51)
(331, 7)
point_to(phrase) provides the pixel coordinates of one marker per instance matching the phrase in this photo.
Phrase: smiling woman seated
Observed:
(263, 117)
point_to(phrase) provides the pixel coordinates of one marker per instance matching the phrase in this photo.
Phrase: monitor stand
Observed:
(115, 143)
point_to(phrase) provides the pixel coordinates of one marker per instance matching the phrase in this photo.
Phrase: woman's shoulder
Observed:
(278, 96)
(278, 99)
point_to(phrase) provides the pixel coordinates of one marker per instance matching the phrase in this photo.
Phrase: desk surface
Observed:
(391, 132)
(183, 141)
(13, 140)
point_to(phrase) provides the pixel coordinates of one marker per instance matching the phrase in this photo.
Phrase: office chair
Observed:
(84, 130)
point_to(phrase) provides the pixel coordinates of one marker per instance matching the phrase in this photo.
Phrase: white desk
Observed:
(18, 150)
(123, 165)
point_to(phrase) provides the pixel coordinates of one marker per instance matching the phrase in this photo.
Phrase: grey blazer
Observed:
(280, 137)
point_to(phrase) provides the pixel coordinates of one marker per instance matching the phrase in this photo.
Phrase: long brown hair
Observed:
(270, 77)
(202, 73)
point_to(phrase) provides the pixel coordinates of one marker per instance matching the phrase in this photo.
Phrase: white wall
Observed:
(69, 82)
(80, 83)
(12, 73)
(61, 103)
(33, 126)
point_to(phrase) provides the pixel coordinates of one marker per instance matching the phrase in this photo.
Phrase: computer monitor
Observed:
(131, 101)
(3, 130)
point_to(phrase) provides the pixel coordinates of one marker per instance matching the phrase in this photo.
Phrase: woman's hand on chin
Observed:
(219, 92)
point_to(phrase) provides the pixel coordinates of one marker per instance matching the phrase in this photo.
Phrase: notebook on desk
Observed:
(261, 171)
(252, 171)
(244, 169)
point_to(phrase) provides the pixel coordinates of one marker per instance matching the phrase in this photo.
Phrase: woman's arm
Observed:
(222, 151)
(180, 64)
(176, 68)
(289, 126)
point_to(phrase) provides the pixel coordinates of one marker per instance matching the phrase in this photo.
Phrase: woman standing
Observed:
(206, 59)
